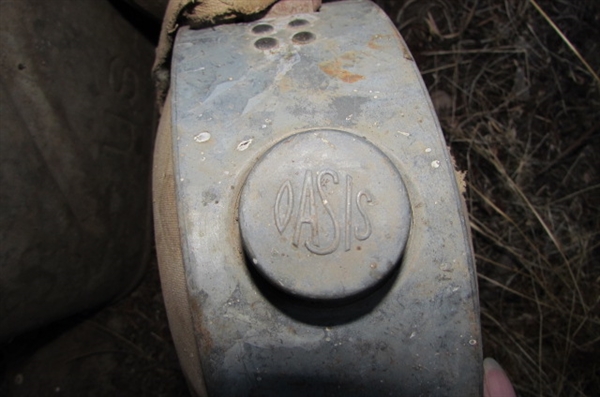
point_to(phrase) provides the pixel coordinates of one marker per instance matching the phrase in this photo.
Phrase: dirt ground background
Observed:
(516, 87)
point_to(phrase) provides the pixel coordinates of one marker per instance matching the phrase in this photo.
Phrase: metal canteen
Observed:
(324, 236)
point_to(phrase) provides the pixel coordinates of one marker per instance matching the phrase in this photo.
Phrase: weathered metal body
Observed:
(325, 240)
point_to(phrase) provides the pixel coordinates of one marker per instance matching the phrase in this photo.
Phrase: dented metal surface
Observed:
(242, 90)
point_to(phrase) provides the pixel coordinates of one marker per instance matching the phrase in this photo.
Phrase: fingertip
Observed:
(490, 364)
(496, 382)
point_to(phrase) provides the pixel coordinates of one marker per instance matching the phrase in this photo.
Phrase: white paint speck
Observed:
(472, 342)
(243, 145)
(428, 150)
(404, 133)
(202, 137)
(435, 163)
(446, 267)
(255, 261)
(412, 335)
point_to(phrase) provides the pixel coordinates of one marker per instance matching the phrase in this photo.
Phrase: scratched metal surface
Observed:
(418, 333)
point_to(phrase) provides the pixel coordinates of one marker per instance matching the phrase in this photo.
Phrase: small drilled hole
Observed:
(303, 37)
(265, 43)
(262, 28)
(297, 23)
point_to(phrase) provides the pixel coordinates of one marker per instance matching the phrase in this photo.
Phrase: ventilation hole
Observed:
(262, 29)
(297, 23)
(303, 37)
(265, 43)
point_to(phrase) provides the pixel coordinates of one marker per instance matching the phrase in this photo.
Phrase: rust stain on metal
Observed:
(406, 53)
(349, 56)
(373, 43)
(336, 68)
(286, 84)
(200, 329)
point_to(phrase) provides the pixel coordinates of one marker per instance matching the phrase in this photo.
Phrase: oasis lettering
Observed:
(314, 200)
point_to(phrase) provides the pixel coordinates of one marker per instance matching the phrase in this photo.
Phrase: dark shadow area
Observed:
(323, 312)
(141, 20)
(124, 349)
(19, 349)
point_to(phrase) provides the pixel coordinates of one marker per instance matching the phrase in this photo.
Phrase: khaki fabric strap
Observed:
(170, 260)
(203, 13)
(195, 13)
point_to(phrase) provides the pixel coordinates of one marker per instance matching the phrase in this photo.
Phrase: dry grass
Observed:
(516, 87)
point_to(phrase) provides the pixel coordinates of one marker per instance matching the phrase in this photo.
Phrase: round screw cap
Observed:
(324, 215)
